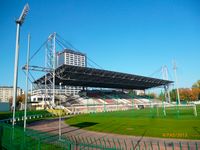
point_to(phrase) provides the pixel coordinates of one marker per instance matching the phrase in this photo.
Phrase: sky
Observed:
(131, 36)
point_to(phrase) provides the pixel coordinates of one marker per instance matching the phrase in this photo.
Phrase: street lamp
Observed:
(19, 22)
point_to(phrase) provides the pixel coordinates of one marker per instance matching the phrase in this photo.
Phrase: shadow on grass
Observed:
(84, 124)
(80, 126)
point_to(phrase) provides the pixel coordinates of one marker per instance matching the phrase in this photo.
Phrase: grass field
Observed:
(178, 123)
(6, 115)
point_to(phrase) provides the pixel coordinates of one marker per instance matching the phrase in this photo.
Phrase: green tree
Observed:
(161, 96)
(196, 84)
(151, 95)
(132, 93)
(173, 95)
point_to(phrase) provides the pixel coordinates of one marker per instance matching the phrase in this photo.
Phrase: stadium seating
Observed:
(104, 100)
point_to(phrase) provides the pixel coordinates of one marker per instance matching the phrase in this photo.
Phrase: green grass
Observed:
(31, 140)
(18, 114)
(5, 115)
(179, 123)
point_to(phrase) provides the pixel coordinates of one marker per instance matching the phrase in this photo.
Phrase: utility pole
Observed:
(176, 81)
(19, 22)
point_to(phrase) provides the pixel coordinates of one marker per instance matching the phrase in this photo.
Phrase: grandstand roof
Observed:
(90, 77)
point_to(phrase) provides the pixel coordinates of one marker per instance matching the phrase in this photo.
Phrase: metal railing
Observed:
(16, 138)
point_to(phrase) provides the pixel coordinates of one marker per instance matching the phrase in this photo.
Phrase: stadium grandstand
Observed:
(115, 97)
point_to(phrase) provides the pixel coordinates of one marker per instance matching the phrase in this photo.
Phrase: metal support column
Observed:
(15, 72)
(27, 73)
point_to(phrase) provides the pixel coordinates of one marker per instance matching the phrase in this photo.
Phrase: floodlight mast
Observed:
(19, 22)
(176, 79)
(23, 15)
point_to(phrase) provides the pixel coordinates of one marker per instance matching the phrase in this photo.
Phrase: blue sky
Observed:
(132, 36)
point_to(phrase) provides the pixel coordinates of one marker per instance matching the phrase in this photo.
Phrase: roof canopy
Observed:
(90, 77)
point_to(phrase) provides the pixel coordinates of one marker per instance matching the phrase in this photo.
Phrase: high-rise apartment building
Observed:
(70, 57)
(6, 92)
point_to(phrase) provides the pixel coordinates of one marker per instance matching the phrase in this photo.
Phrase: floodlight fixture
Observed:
(23, 15)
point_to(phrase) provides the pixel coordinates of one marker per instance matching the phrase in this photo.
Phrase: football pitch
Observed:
(179, 123)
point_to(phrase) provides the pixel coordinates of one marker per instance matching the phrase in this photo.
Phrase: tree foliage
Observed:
(186, 94)
(196, 84)
(151, 95)
(161, 96)
(173, 95)
(20, 99)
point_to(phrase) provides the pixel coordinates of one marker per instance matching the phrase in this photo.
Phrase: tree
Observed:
(196, 84)
(185, 94)
(162, 96)
(196, 93)
(190, 94)
(173, 95)
(151, 95)
(132, 93)
(20, 99)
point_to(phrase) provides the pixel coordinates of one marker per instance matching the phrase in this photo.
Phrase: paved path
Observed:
(113, 140)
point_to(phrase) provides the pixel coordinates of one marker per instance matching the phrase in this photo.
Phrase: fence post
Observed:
(69, 145)
(82, 139)
(165, 145)
(95, 140)
(158, 145)
(139, 145)
(88, 142)
(91, 142)
(39, 144)
(133, 146)
(100, 143)
(125, 144)
(145, 146)
(180, 145)
(104, 142)
(109, 143)
(196, 145)
(151, 145)
(172, 145)
(114, 144)
(188, 146)
(119, 144)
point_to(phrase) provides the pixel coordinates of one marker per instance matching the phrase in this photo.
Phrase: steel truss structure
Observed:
(91, 77)
(49, 46)
(166, 87)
